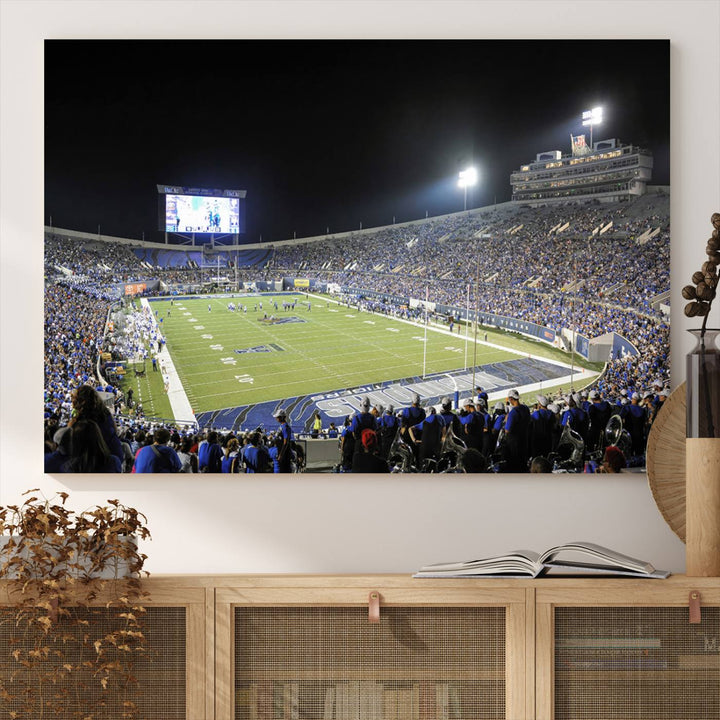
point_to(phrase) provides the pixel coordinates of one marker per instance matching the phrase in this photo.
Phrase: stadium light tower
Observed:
(467, 178)
(592, 117)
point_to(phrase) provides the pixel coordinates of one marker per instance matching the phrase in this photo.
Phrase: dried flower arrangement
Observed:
(703, 292)
(71, 610)
(703, 364)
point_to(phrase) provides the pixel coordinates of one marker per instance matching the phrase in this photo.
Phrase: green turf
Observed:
(334, 348)
(149, 390)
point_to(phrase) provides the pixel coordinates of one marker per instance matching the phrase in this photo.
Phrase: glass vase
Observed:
(703, 386)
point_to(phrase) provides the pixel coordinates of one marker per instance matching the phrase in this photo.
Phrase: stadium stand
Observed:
(591, 268)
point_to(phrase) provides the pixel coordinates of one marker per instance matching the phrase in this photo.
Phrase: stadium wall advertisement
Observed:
(269, 517)
(539, 332)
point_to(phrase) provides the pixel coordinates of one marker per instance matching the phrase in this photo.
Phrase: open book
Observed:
(574, 558)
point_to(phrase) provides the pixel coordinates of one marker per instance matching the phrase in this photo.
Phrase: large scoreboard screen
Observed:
(203, 211)
(193, 214)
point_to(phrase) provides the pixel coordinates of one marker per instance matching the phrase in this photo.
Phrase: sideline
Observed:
(181, 409)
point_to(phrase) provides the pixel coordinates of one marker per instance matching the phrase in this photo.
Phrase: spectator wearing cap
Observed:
(428, 435)
(585, 400)
(366, 458)
(487, 447)
(284, 459)
(598, 415)
(498, 421)
(473, 424)
(387, 429)
(634, 417)
(658, 387)
(517, 426)
(414, 414)
(450, 419)
(158, 457)
(554, 408)
(542, 423)
(363, 420)
(410, 416)
(661, 398)
(576, 417)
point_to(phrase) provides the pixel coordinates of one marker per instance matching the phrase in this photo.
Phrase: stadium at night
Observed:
(552, 297)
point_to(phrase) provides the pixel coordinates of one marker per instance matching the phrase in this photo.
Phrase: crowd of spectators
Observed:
(581, 268)
(95, 440)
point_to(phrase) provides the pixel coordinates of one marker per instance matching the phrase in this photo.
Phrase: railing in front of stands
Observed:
(131, 419)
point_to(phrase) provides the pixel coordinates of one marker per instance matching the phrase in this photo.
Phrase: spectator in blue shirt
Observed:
(517, 425)
(210, 455)
(255, 455)
(284, 458)
(364, 420)
(542, 423)
(158, 457)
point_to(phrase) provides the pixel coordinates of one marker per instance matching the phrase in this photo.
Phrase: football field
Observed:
(234, 358)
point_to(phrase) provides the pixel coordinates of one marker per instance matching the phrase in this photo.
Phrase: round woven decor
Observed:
(666, 461)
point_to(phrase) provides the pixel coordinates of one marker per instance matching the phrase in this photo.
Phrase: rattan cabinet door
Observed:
(625, 660)
(328, 662)
(632, 662)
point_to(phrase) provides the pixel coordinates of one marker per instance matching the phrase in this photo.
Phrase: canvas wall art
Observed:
(355, 256)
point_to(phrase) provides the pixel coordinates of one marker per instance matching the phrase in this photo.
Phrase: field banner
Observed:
(375, 295)
(416, 302)
(135, 288)
(582, 345)
(622, 347)
(540, 332)
(302, 283)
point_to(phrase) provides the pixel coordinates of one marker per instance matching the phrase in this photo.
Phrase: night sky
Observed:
(328, 133)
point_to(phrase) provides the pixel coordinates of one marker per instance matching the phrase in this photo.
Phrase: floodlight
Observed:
(467, 177)
(592, 117)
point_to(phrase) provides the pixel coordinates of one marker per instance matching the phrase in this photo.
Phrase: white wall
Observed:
(343, 523)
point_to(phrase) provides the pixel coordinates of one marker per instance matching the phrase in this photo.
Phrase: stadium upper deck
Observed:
(611, 172)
